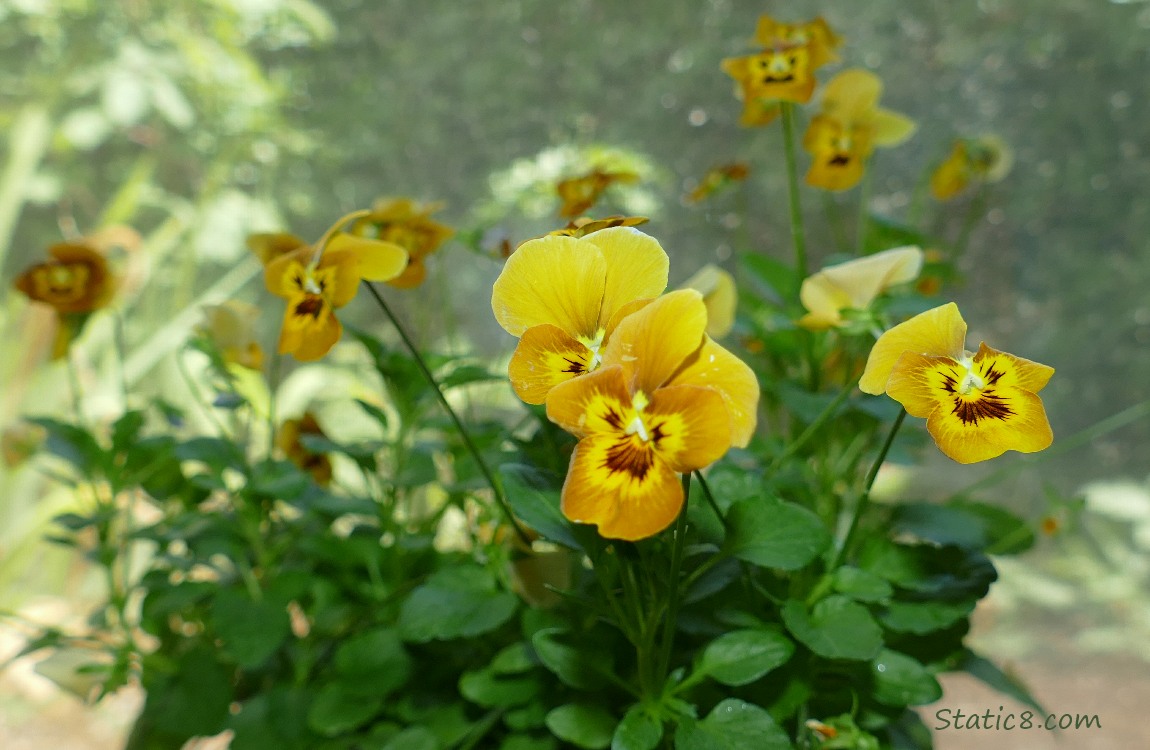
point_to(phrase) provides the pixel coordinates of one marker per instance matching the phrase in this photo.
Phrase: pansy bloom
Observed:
(585, 225)
(718, 178)
(983, 159)
(720, 296)
(290, 440)
(849, 125)
(854, 285)
(784, 69)
(75, 282)
(563, 296)
(409, 225)
(581, 193)
(231, 328)
(316, 282)
(668, 400)
(977, 406)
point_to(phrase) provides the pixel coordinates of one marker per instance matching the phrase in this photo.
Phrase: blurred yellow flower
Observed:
(584, 225)
(784, 69)
(316, 282)
(290, 441)
(849, 125)
(268, 246)
(719, 295)
(580, 193)
(718, 178)
(409, 225)
(668, 400)
(75, 282)
(977, 406)
(231, 327)
(21, 441)
(563, 296)
(854, 285)
(983, 159)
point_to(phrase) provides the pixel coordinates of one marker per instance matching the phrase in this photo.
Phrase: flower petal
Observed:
(545, 357)
(891, 128)
(940, 331)
(652, 343)
(863, 279)
(595, 403)
(1022, 426)
(359, 259)
(619, 484)
(921, 382)
(715, 368)
(284, 274)
(851, 94)
(636, 267)
(312, 341)
(555, 280)
(719, 295)
(689, 426)
(1008, 370)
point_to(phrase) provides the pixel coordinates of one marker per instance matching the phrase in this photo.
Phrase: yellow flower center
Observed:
(971, 379)
(639, 403)
(311, 303)
(593, 344)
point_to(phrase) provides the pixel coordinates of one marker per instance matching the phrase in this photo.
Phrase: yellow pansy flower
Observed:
(983, 159)
(580, 193)
(75, 282)
(290, 442)
(977, 406)
(231, 327)
(316, 282)
(409, 225)
(668, 400)
(719, 295)
(854, 285)
(718, 178)
(784, 69)
(585, 225)
(849, 125)
(563, 296)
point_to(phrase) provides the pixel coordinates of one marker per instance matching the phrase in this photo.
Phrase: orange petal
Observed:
(620, 485)
(311, 341)
(715, 368)
(652, 343)
(544, 358)
(688, 426)
(358, 258)
(284, 275)
(554, 280)
(922, 382)
(1008, 370)
(595, 403)
(1019, 424)
(636, 267)
(940, 332)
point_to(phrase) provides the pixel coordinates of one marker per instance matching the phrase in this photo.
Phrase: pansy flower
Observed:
(667, 401)
(581, 193)
(290, 440)
(784, 69)
(977, 406)
(318, 281)
(563, 296)
(585, 225)
(849, 125)
(719, 295)
(408, 224)
(854, 285)
(983, 159)
(74, 282)
(718, 178)
(231, 327)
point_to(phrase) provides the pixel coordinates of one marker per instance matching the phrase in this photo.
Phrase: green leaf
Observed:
(458, 602)
(513, 659)
(580, 668)
(126, 430)
(775, 534)
(73, 444)
(337, 709)
(733, 725)
(974, 526)
(584, 725)
(883, 234)
(250, 630)
(485, 688)
(217, 453)
(779, 276)
(375, 657)
(989, 674)
(638, 730)
(376, 413)
(413, 738)
(534, 496)
(836, 628)
(921, 618)
(900, 680)
(743, 656)
(528, 742)
(467, 374)
(861, 585)
(947, 572)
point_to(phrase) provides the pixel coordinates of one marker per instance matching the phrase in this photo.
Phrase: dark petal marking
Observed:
(574, 366)
(987, 405)
(613, 418)
(840, 160)
(310, 305)
(630, 456)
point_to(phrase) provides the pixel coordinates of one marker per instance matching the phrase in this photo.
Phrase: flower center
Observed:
(594, 345)
(970, 380)
(639, 403)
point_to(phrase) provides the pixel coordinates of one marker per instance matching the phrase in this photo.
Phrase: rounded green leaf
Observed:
(861, 585)
(586, 726)
(775, 534)
(251, 631)
(638, 730)
(900, 680)
(836, 628)
(576, 667)
(921, 618)
(455, 603)
(337, 709)
(733, 725)
(743, 656)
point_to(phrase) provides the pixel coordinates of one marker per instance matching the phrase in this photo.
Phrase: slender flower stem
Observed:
(811, 429)
(864, 213)
(798, 237)
(974, 213)
(864, 498)
(273, 386)
(74, 386)
(672, 614)
(466, 437)
(710, 498)
(121, 355)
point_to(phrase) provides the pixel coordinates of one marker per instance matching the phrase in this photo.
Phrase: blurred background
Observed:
(179, 127)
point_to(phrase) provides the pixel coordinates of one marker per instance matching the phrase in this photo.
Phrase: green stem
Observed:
(835, 220)
(809, 432)
(121, 353)
(864, 213)
(463, 434)
(975, 212)
(672, 614)
(710, 498)
(798, 237)
(273, 386)
(864, 498)
(74, 386)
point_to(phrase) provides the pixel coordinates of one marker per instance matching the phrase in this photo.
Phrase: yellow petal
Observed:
(921, 382)
(1018, 422)
(940, 332)
(688, 426)
(368, 259)
(412, 276)
(554, 280)
(269, 246)
(284, 275)
(636, 267)
(824, 301)
(652, 343)
(953, 175)
(619, 484)
(891, 128)
(851, 94)
(719, 295)
(311, 341)
(714, 367)
(596, 403)
(1008, 370)
(860, 281)
(544, 358)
